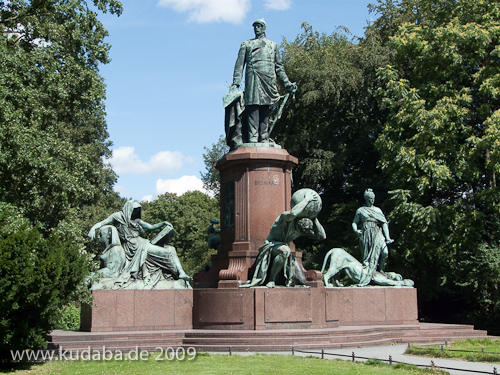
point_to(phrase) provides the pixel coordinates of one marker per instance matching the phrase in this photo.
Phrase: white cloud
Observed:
(277, 4)
(122, 190)
(179, 186)
(147, 198)
(203, 11)
(125, 160)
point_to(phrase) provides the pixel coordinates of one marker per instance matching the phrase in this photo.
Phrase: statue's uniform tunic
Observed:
(263, 67)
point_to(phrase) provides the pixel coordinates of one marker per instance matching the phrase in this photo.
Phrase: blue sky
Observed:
(172, 61)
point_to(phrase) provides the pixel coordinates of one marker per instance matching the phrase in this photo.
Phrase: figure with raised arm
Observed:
(275, 258)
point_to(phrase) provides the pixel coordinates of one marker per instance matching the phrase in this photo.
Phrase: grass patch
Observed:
(220, 365)
(471, 350)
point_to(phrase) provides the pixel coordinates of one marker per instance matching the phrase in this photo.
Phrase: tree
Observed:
(52, 124)
(211, 176)
(440, 150)
(332, 126)
(38, 275)
(52, 171)
(190, 216)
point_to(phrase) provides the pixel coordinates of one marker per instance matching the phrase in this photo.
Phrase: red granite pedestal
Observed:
(255, 190)
(302, 308)
(138, 310)
(248, 309)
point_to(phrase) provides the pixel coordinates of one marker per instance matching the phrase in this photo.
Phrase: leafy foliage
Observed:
(52, 126)
(70, 317)
(190, 216)
(53, 142)
(211, 176)
(332, 125)
(38, 274)
(440, 149)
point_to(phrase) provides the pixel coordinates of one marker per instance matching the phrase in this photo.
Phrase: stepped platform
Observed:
(262, 340)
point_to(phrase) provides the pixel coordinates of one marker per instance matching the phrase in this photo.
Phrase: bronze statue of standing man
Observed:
(263, 68)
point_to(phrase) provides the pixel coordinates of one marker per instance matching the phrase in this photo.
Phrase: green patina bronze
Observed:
(371, 226)
(251, 110)
(341, 260)
(132, 262)
(275, 263)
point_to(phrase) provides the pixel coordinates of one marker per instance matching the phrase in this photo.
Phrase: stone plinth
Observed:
(138, 310)
(302, 308)
(248, 308)
(255, 190)
(371, 305)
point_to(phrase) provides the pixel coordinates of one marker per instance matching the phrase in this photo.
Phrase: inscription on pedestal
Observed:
(274, 182)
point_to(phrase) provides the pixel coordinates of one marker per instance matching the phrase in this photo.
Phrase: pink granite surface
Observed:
(249, 308)
(136, 310)
(371, 305)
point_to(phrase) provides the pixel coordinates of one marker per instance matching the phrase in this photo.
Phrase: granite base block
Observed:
(248, 308)
(371, 305)
(302, 308)
(138, 310)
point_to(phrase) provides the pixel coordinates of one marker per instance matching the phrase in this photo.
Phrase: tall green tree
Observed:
(38, 273)
(440, 150)
(53, 142)
(190, 215)
(211, 176)
(52, 120)
(332, 125)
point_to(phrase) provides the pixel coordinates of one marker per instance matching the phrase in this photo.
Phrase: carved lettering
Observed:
(274, 182)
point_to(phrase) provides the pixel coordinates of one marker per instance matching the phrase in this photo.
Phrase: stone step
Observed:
(264, 340)
(61, 336)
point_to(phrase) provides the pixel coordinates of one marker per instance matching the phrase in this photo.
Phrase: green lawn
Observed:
(219, 364)
(478, 350)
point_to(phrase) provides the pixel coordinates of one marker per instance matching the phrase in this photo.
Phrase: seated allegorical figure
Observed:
(113, 257)
(275, 260)
(144, 261)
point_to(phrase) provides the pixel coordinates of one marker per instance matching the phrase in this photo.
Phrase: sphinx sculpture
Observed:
(130, 261)
(341, 260)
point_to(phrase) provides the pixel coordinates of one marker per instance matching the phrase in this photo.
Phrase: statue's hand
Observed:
(233, 87)
(92, 233)
(389, 241)
(292, 87)
(166, 223)
(359, 232)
